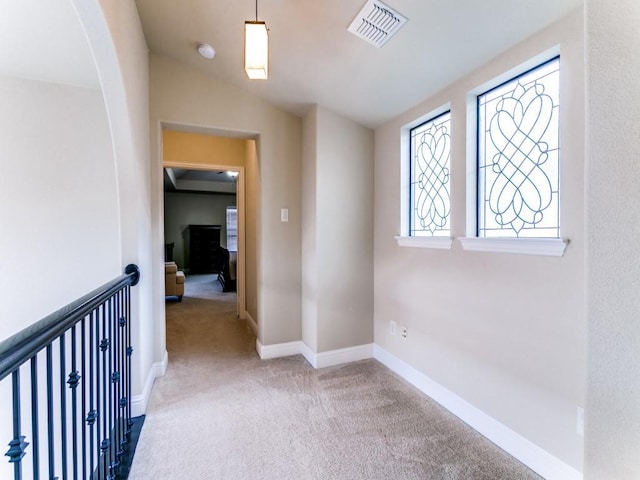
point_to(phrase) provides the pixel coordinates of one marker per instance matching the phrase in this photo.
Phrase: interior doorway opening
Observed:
(200, 227)
(195, 158)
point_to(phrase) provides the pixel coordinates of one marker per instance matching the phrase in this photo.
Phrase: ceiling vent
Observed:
(376, 23)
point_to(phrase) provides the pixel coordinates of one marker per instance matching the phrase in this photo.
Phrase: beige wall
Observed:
(58, 209)
(506, 333)
(338, 227)
(58, 198)
(77, 202)
(613, 226)
(120, 51)
(183, 96)
(252, 193)
(198, 149)
(309, 231)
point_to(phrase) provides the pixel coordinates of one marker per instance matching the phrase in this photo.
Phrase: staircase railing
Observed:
(70, 387)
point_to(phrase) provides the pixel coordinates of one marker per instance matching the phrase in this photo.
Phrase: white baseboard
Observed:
(308, 354)
(343, 355)
(139, 402)
(539, 460)
(317, 360)
(268, 352)
(252, 323)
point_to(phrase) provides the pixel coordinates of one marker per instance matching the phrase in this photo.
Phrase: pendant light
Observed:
(256, 48)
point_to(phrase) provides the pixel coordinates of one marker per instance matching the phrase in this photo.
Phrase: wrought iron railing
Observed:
(70, 376)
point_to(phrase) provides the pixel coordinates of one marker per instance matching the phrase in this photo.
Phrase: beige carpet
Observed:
(222, 413)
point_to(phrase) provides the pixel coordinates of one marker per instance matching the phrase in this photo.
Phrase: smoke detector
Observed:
(206, 50)
(376, 23)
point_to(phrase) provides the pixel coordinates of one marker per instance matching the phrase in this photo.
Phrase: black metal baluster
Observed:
(122, 400)
(50, 437)
(104, 446)
(110, 384)
(83, 374)
(34, 417)
(118, 396)
(63, 405)
(115, 378)
(74, 379)
(17, 445)
(129, 354)
(99, 409)
(92, 416)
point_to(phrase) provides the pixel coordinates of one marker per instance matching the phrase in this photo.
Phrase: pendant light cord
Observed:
(256, 10)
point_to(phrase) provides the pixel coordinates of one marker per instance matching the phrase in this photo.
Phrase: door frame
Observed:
(241, 205)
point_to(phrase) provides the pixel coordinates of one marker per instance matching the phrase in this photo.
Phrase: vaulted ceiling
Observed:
(44, 40)
(314, 59)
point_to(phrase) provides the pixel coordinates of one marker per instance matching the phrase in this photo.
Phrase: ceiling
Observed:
(44, 40)
(198, 181)
(315, 60)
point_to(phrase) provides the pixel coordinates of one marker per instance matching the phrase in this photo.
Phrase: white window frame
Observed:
(526, 246)
(231, 218)
(404, 239)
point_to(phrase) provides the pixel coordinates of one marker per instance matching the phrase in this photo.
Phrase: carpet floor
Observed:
(222, 413)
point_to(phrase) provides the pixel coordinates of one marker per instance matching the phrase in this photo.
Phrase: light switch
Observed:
(284, 214)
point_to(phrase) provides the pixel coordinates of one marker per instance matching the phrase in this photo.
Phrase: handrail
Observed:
(76, 370)
(26, 343)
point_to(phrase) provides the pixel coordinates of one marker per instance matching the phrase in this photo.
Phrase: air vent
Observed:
(376, 23)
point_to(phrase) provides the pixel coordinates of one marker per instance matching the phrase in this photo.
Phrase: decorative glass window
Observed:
(430, 178)
(518, 156)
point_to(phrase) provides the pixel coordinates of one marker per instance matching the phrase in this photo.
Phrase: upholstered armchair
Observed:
(173, 281)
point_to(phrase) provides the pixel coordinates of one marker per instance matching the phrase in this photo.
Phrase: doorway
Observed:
(200, 225)
(212, 152)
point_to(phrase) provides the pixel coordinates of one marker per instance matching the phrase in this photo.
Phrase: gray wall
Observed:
(183, 209)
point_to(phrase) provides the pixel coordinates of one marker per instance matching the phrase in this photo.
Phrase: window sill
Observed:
(443, 243)
(552, 247)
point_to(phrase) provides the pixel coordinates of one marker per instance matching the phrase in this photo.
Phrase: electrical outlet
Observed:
(392, 327)
(404, 331)
(580, 422)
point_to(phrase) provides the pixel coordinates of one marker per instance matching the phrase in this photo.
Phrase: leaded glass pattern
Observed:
(430, 178)
(518, 156)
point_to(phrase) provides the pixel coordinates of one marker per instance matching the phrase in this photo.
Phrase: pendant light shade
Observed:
(256, 50)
